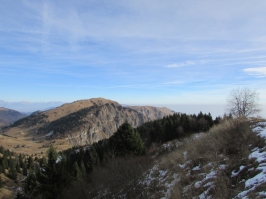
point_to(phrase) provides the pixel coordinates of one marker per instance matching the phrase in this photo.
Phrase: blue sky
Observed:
(133, 52)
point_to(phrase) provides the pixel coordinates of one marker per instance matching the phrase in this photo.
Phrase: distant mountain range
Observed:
(77, 123)
(28, 107)
(8, 116)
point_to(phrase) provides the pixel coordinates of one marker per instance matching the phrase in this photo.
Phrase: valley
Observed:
(100, 149)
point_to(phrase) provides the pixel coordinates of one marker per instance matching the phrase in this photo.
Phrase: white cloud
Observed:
(178, 65)
(259, 72)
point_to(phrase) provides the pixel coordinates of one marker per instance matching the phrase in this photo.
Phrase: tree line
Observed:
(11, 163)
(57, 171)
(176, 126)
(31, 120)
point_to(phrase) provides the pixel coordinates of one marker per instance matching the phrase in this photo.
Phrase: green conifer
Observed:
(127, 141)
(77, 172)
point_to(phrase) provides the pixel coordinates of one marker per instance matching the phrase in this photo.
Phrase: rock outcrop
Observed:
(88, 121)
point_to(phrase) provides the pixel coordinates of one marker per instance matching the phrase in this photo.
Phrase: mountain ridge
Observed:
(81, 122)
(8, 116)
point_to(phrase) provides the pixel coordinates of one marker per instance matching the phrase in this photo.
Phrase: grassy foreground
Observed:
(205, 165)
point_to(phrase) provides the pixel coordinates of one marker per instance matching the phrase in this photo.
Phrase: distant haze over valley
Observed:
(27, 107)
(214, 109)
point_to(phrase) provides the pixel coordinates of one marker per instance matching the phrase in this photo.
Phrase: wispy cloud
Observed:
(258, 72)
(148, 47)
(178, 65)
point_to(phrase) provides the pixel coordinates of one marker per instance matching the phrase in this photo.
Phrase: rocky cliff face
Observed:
(152, 113)
(88, 121)
(100, 122)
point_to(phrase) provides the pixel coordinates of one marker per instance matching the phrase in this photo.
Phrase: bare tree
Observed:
(243, 102)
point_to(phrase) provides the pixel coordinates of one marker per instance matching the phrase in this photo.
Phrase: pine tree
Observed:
(47, 176)
(20, 160)
(1, 182)
(30, 183)
(1, 149)
(127, 141)
(30, 162)
(12, 173)
(42, 162)
(93, 159)
(4, 163)
(18, 168)
(52, 177)
(77, 172)
(82, 169)
(24, 170)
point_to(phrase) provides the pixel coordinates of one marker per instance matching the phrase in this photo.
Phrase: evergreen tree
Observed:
(127, 141)
(12, 172)
(77, 172)
(52, 177)
(24, 170)
(42, 162)
(20, 160)
(29, 162)
(93, 159)
(1, 149)
(82, 169)
(30, 183)
(1, 182)
(47, 176)
(157, 133)
(4, 163)
(18, 168)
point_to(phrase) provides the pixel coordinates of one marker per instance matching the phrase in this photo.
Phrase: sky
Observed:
(134, 52)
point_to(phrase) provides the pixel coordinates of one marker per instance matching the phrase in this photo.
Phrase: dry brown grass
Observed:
(6, 194)
(25, 135)
(227, 144)
(69, 108)
(22, 135)
(23, 144)
(8, 190)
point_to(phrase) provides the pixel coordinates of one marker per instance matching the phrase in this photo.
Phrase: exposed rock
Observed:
(104, 120)
(87, 121)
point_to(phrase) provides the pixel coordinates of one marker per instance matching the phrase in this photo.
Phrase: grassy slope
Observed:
(23, 138)
(10, 187)
(210, 165)
(207, 165)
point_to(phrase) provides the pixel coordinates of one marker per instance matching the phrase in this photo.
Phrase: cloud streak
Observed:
(136, 48)
(259, 72)
(178, 65)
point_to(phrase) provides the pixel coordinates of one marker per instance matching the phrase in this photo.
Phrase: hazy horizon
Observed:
(214, 109)
(135, 52)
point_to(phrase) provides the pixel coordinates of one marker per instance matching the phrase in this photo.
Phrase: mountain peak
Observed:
(80, 122)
